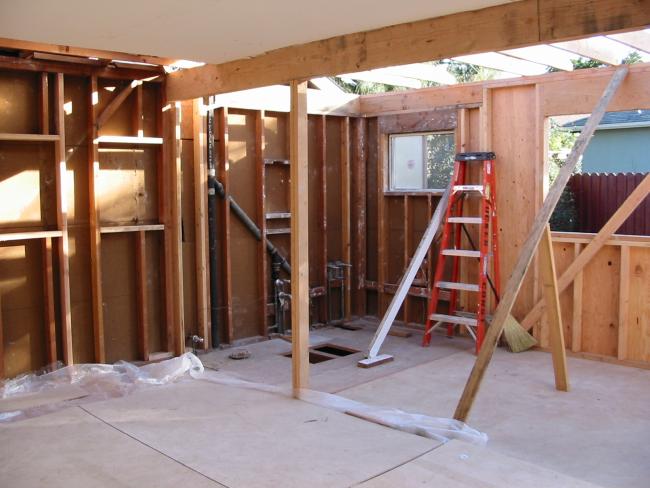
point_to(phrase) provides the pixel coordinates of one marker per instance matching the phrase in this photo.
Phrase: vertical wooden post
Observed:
(623, 303)
(576, 323)
(321, 140)
(406, 253)
(48, 300)
(62, 222)
(382, 261)
(200, 219)
(345, 210)
(552, 297)
(262, 255)
(359, 197)
(141, 294)
(163, 123)
(138, 116)
(44, 103)
(2, 344)
(223, 221)
(94, 224)
(176, 184)
(299, 237)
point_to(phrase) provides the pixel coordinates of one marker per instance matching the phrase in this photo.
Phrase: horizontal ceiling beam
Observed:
(506, 26)
(544, 54)
(503, 62)
(639, 40)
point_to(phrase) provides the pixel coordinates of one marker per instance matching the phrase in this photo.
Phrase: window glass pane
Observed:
(440, 153)
(407, 162)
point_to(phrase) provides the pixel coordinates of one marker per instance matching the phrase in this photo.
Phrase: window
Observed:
(423, 161)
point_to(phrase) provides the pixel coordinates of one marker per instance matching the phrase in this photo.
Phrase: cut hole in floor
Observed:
(325, 352)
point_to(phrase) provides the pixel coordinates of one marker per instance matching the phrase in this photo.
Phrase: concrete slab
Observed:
(245, 438)
(597, 432)
(460, 465)
(72, 449)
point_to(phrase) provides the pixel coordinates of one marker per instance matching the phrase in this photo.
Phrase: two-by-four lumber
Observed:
(138, 114)
(345, 211)
(115, 103)
(556, 333)
(141, 294)
(44, 104)
(199, 128)
(299, 236)
(223, 172)
(2, 344)
(94, 224)
(48, 301)
(382, 240)
(359, 214)
(623, 303)
(321, 141)
(514, 24)
(576, 320)
(62, 221)
(260, 188)
(615, 221)
(518, 273)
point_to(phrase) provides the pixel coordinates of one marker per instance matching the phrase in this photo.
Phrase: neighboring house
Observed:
(621, 143)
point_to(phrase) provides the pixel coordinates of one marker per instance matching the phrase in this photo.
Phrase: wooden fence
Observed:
(598, 196)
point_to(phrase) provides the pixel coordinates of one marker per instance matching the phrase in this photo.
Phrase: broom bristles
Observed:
(517, 338)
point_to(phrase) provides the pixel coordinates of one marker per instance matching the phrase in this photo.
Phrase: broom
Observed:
(517, 338)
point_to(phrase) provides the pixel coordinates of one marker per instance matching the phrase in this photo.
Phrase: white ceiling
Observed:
(211, 31)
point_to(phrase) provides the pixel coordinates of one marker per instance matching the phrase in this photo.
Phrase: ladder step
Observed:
(453, 319)
(463, 253)
(457, 286)
(464, 220)
(465, 188)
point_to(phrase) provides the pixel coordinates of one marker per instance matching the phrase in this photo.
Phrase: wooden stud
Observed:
(615, 221)
(2, 344)
(176, 184)
(138, 116)
(576, 323)
(141, 294)
(624, 303)
(94, 225)
(556, 331)
(518, 273)
(44, 102)
(406, 252)
(260, 192)
(321, 140)
(345, 211)
(114, 104)
(223, 168)
(382, 260)
(299, 237)
(62, 222)
(199, 129)
(48, 301)
(359, 199)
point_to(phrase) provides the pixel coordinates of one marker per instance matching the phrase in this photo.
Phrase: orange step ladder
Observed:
(488, 249)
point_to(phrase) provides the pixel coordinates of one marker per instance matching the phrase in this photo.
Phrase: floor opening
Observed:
(335, 350)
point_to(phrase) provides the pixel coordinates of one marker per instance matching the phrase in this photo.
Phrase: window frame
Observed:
(391, 168)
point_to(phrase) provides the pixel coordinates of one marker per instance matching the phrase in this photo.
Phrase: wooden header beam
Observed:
(506, 26)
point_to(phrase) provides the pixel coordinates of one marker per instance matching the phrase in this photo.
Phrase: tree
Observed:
(560, 142)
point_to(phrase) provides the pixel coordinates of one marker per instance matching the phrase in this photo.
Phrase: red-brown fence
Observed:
(598, 196)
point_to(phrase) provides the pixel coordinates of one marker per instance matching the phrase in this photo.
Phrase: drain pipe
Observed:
(251, 226)
(212, 232)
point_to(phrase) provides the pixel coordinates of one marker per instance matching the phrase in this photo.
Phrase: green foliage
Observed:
(633, 57)
(585, 63)
(441, 150)
(560, 142)
(365, 87)
(465, 73)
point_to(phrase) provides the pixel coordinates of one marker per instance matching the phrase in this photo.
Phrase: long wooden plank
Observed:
(576, 323)
(321, 141)
(346, 244)
(359, 230)
(509, 294)
(2, 344)
(141, 295)
(260, 190)
(23, 236)
(48, 301)
(615, 221)
(299, 237)
(223, 168)
(115, 103)
(199, 127)
(556, 333)
(511, 25)
(382, 240)
(29, 137)
(62, 222)
(175, 183)
(94, 224)
(44, 104)
(407, 278)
